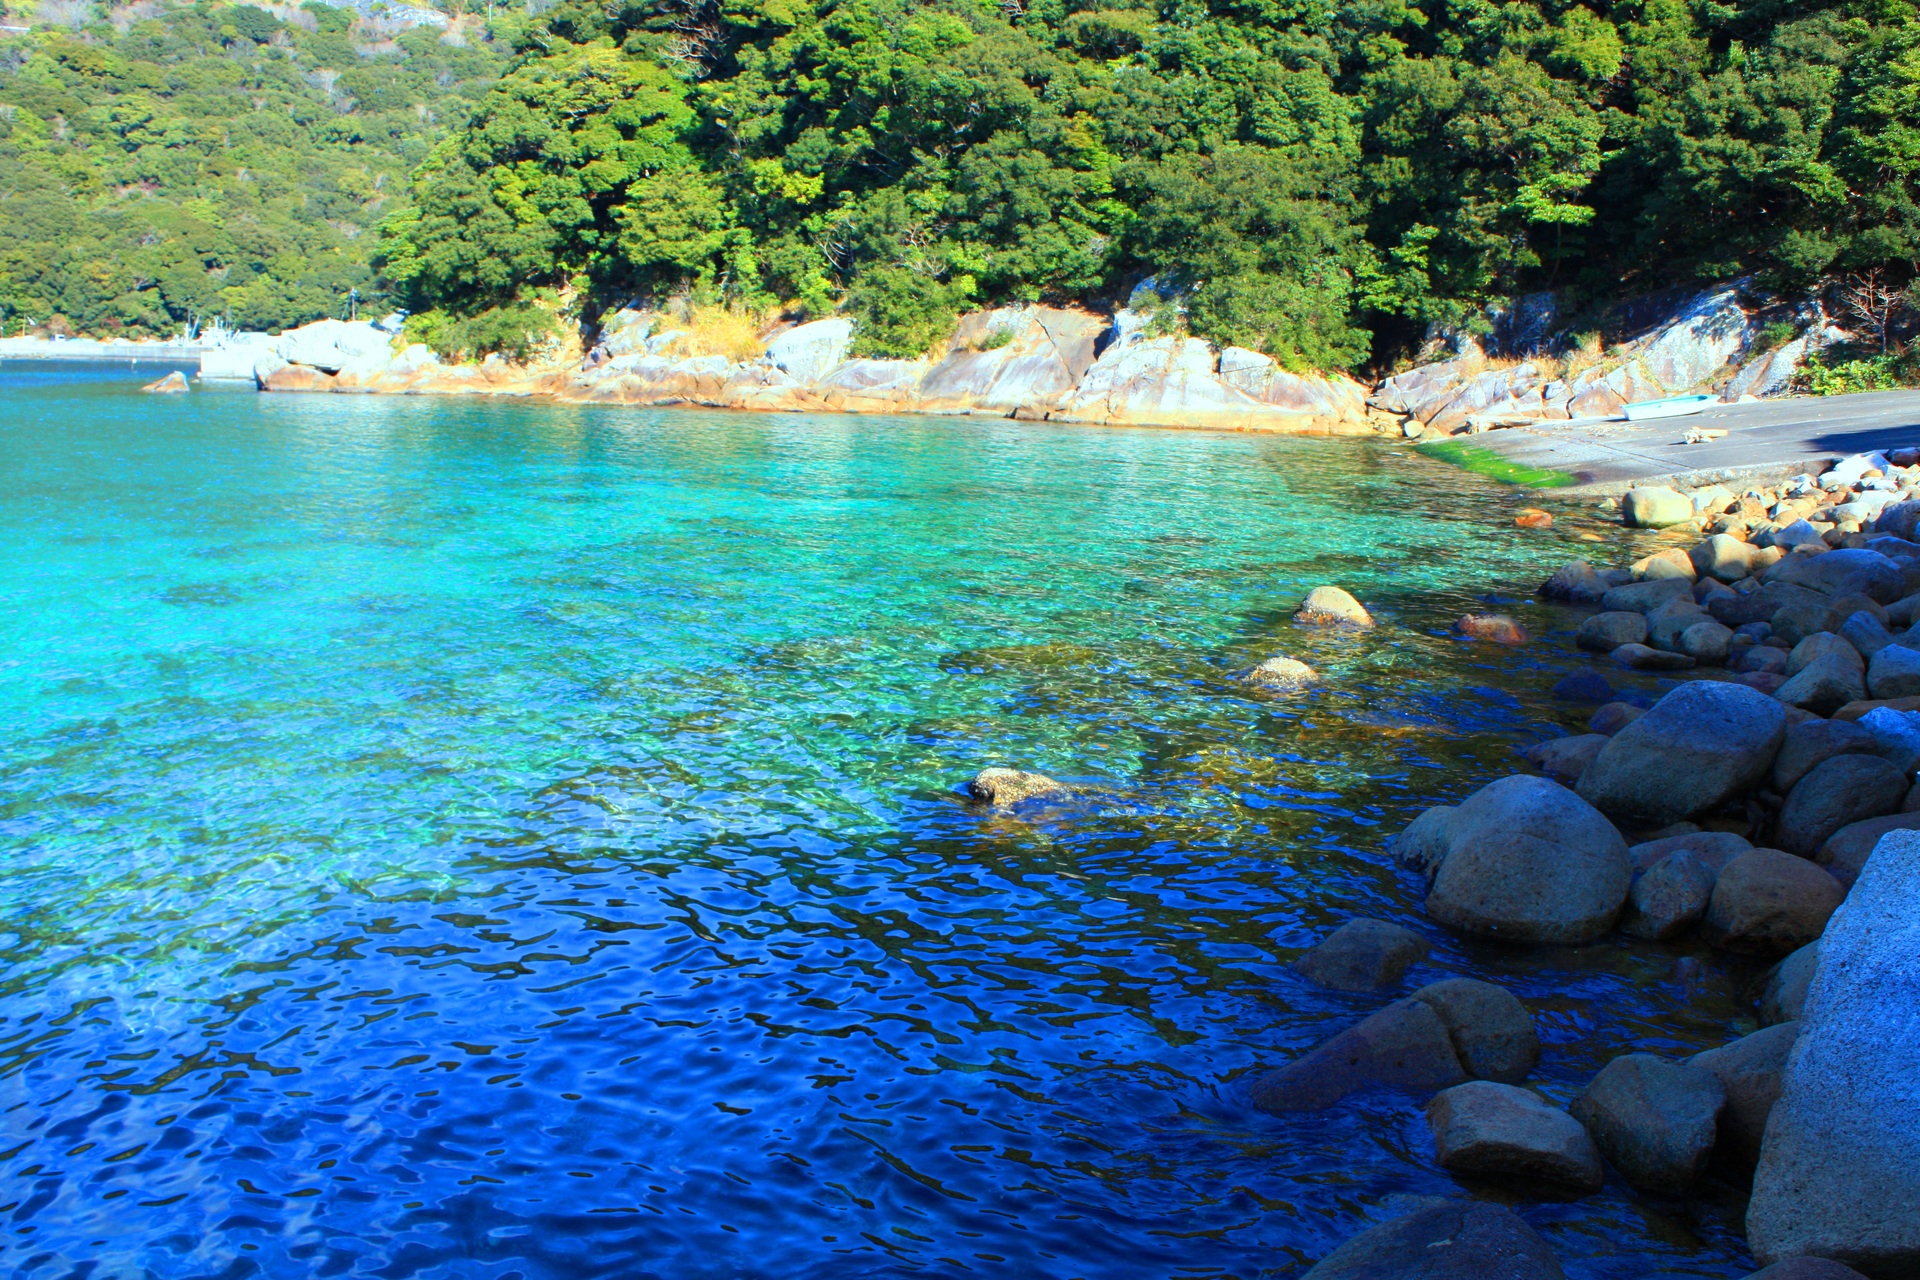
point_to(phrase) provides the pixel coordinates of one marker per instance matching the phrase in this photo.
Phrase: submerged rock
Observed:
(1700, 746)
(1363, 955)
(1002, 787)
(1655, 1121)
(1451, 1240)
(1498, 1130)
(174, 383)
(1530, 861)
(1332, 606)
(1496, 627)
(1284, 674)
(1837, 1176)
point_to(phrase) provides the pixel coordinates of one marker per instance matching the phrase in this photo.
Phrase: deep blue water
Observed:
(463, 839)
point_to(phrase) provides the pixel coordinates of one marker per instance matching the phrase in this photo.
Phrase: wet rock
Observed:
(1837, 1175)
(1003, 787)
(1605, 632)
(1614, 717)
(1768, 903)
(1583, 686)
(1532, 518)
(1653, 1120)
(1363, 955)
(1574, 581)
(1714, 849)
(1846, 851)
(1403, 1046)
(1749, 1071)
(1566, 758)
(1638, 657)
(1655, 508)
(1823, 686)
(1707, 642)
(1824, 645)
(174, 383)
(1843, 572)
(1497, 1130)
(1666, 901)
(1326, 606)
(1784, 998)
(1700, 746)
(1644, 597)
(1423, 845)
(1451, 1240)
(1836, 793)
(1491, 1031)
(1807, 745)
(1530, 861)
(1283, 674)
(1866, 633)
(1894, 672)
(1496, 627)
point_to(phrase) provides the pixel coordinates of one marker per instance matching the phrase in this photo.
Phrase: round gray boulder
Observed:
(1655, 508)
(1707, 642)
(1824, 686)
(1844, 572)
(1423, 845)
(1894, 672)
(1605, 632)
(1701, 745)
(1814, 741)
(1529, 861)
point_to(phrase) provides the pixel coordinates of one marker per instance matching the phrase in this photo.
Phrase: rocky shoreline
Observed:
(1058, 364)
(1765, 804)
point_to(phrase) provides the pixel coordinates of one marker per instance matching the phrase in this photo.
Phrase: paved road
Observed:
(1774, 436)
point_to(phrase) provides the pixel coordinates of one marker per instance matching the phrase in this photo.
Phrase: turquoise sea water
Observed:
(464, 839)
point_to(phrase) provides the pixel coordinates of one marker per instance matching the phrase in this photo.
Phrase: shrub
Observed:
(1817, 378)
(514, 332)
(902, 313)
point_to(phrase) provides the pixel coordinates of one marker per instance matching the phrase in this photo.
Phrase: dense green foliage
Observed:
(1307, 170)
(219, 162)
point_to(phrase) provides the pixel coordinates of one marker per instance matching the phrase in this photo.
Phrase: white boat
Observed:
(1671, 407)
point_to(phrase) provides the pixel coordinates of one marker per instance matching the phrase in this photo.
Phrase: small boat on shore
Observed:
(1671, 407)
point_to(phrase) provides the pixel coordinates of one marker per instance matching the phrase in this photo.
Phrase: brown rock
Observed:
(1768, 903)
(1493, 626)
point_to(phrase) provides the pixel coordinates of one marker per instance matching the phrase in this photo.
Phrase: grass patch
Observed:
(1485, 462)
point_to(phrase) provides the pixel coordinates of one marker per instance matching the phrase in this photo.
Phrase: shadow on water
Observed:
(484, 840)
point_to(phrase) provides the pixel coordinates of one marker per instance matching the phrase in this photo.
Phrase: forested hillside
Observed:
(1312, 171)
(214, 161)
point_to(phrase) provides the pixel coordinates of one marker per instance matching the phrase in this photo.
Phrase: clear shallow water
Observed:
(495, 840)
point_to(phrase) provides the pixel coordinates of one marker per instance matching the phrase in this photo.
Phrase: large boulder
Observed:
(337, 346)
(1665, 902)
(1700, 746)
(1654, 1120)
(1836, 793)
(1013, 360)
(1749, 1070)
(1690, 350)
(1529, 861)
(1491, 1031)
(1838, 1175)
(1655, 508)
(1403, 1046)
(1844, 572)
(1498, 1130)
(1448, 1240)
(1363, 955)
(1767, 903)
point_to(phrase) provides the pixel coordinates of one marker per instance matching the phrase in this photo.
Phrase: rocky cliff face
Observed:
(1022, 362)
